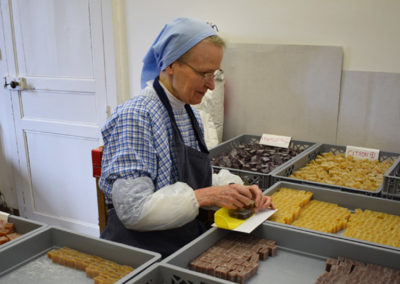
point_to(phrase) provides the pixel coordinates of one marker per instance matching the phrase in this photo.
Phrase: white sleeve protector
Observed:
(225, 177)
(140, 208)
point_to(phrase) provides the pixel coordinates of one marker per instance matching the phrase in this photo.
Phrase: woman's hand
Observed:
(233, 196)
(266, 202)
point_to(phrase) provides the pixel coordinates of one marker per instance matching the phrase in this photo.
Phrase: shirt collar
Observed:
(175, 102)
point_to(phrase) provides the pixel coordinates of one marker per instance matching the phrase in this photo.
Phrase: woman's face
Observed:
(187, 84)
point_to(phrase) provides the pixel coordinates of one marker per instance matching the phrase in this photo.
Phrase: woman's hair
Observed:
(214, 39)
(217, 40)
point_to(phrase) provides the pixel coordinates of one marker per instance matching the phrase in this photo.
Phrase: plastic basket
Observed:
(285, 171)
(32, 248)
(263, 180)
(23, 226)
(349, 200)
(165, 273)
(391, 182)
(300, 258)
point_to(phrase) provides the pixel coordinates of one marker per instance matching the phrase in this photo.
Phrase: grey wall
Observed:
(359, 104)
(369, 113)
(302, 92)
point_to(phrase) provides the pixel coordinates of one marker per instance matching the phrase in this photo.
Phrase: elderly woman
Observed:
(156, 170)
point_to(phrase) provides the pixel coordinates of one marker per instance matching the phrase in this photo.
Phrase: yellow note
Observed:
(223, 220)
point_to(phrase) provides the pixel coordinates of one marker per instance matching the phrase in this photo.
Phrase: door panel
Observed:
(53, 37)
(56, 189)
(58, 49)
(76, 107)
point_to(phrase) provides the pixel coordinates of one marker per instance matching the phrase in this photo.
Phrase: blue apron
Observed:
(194, 168)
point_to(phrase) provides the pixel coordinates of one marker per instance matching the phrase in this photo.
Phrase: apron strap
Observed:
(197, 131)
(163, 97)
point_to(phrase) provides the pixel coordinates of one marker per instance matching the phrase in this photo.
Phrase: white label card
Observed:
(275, 140)
(362, 153)
(4, 216)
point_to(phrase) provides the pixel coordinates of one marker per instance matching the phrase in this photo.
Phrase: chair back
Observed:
(97, 155)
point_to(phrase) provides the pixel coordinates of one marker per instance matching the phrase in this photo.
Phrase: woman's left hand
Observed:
(261, 202)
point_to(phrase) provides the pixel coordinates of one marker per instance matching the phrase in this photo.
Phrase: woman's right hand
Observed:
(233, 196)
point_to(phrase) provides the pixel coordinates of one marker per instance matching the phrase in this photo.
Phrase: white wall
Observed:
(368, 30)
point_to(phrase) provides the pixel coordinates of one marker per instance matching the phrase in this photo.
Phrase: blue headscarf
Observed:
(174, 40)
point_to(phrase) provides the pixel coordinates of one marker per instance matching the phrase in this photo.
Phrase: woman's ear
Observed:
(170, 69)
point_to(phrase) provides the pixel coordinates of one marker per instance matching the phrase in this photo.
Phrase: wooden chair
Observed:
(97, 155)
(206, 216)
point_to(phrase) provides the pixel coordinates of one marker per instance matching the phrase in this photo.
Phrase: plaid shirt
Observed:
(137, 141)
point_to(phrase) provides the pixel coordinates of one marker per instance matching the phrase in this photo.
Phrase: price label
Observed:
(275, 140)
(4, 216)
(362, 153)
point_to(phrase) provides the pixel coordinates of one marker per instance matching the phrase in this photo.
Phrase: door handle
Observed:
(16, 84)
(12, 84)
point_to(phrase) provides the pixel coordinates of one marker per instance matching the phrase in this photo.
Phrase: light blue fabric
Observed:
(174, 40)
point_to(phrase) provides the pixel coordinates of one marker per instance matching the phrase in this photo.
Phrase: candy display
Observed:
(289, 202)
(339, 170)
(374, 226)
(296, 208)
(322, 216)
(234, 258)
(7, 232)
(101, 270)
(255, 157)
(344, 270)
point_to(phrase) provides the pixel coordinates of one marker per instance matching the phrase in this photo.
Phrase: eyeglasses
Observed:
(206, 75)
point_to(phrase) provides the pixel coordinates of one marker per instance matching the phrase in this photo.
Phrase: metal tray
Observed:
(300, 258)
(28, 250)
(348, 200)
(261, 179)
(283, 173)
(391, 182)
(23, 226)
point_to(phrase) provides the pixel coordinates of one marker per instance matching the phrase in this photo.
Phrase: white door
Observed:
(57, 47)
